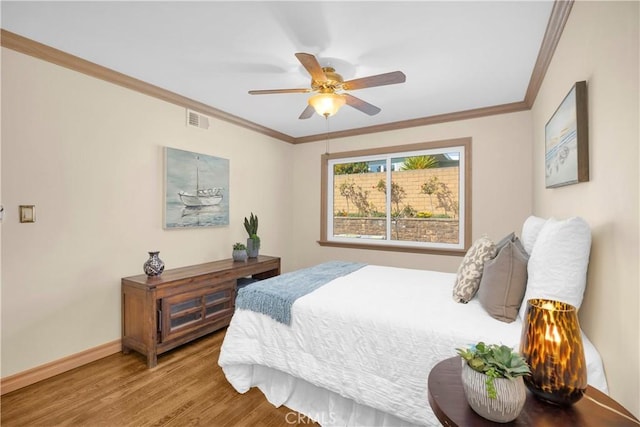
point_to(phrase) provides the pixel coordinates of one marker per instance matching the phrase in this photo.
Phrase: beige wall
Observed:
(89, 156)
(501, 174)
(600, 45)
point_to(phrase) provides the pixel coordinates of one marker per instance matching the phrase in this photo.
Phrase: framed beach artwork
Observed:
(567, 140)
(196, 190)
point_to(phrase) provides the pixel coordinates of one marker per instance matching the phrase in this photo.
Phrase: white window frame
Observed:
(462, 145)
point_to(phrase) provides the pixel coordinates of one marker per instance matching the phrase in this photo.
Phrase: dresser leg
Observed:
(152, 360)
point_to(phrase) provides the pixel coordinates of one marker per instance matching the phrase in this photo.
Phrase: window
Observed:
(414, 198)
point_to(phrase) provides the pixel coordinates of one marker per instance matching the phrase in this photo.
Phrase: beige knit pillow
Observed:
(470, 270)
(504, 282)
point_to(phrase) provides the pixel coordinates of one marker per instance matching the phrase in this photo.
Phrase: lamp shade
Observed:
(327, 104)
(551, 343)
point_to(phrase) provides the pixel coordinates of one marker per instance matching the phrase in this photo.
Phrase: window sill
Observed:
(393, 248)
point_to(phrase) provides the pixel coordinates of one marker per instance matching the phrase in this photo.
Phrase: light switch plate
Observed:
(27, 213)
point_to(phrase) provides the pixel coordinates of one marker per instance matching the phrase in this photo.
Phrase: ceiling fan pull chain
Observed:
(327, 146)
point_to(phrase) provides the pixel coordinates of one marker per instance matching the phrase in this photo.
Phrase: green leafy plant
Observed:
(419, 162)
(424, 214)
(442, 192)
(251, 225)
(429, 188)
(239, 246)
(397, 192)
(351, 168)
(495, 361)
(408, 212)
(357, 196)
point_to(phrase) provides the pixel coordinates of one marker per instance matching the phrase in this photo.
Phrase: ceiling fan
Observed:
(330, 88)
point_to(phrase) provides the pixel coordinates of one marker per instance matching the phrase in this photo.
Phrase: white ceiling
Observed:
(456, 55)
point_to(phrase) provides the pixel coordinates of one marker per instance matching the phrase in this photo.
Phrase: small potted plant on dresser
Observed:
(253, 242)
(492, 380)
(239, 252)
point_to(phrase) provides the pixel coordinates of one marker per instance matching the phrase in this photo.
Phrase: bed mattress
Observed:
(360, 348)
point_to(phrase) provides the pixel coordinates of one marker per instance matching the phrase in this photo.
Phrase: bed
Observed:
(357, 350)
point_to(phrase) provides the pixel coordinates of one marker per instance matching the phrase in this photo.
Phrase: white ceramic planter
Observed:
(511, 395)
(239, 255)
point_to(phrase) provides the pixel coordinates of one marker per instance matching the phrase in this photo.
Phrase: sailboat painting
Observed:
(196, 190)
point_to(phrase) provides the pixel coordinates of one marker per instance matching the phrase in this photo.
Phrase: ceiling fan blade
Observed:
(272, 91)
(308, 112)
(361, 105)
(312, 65)
(377, 80)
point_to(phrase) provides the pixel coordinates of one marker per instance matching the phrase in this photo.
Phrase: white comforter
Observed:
(371, 336)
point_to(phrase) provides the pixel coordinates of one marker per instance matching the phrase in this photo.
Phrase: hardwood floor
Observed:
(186, 388)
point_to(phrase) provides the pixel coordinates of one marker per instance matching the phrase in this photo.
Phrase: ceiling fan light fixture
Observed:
(325, 82)
(327, 104)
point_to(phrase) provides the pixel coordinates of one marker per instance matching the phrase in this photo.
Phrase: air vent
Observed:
(197, 120)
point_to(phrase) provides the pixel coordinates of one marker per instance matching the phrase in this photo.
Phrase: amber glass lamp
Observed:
(551, 343)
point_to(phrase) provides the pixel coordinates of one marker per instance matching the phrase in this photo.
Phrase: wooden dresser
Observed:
(162, 312)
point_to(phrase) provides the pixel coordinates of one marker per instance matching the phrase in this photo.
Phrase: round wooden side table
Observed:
(447, 399)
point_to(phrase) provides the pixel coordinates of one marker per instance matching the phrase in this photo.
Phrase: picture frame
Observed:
(567, 140)
(27, 213)
(196, 190)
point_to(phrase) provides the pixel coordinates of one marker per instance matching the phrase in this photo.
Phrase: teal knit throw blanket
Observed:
(275, 296)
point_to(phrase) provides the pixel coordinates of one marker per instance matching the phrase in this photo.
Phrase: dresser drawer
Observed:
(182, 313)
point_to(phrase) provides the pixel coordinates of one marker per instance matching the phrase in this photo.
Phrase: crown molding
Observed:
(424, 121)
(46, 53)
(557, 20)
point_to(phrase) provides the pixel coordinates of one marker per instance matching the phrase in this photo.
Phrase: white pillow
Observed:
(558, 263)
(530, 230)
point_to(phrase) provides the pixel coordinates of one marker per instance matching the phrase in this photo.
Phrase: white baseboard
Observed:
(48, 370)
